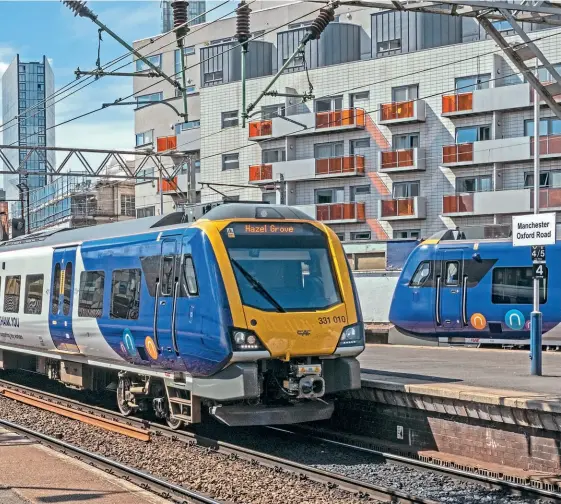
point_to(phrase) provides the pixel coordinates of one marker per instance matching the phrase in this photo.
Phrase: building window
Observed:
(187, 51)
(545, 76)
(156, 60)
(341, 236)
(146, 212)
(472, 83)
(408, 141)
(270, 111)
(33, 294)
(356, 146)
(325, 196)
(481, 183)
(273, 155)
(329, 150)
(67, 298)
(359, 98)
(269, 197)
(404, 190)
(125, 294)
(11, 294)
(405, 234)
(405, 93)
(149, 98)
(142, 175)
(548, 126)
(502, 25)
(40, 78)
(144, 138)
(470, 134)
(329, 104)
(359, 193)
(547, 179)
(22, 68)
(230, 161)
(41, 139)
(22, 86)
(90, 302)
(515, 286)
(190, 277)
(187, 126)
(388, 46)
(213, 77)
(360, 235)
(230, 119)
(127, 205)
(188, 90)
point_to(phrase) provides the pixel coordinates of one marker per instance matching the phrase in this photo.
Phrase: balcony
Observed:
(308, 124)
(402, 112)
(401, 160)
(166, 143)
(308, 169)
(402, 209)
(336, 213)
(550, 199)
(457, 204)
(503, 150)
(168, 186)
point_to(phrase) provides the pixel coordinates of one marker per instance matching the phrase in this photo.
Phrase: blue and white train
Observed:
(250, 311)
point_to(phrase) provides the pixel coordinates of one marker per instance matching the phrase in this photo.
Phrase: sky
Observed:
(47, 27)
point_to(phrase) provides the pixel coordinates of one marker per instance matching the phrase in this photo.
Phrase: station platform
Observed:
(31, 473)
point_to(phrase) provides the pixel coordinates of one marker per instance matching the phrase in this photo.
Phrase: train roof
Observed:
(255, 211)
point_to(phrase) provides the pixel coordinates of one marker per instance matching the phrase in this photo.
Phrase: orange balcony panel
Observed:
(346, 164)
(549, 198)
(341, 211)
(460, 102)
(260, 128)
(168, 185)
(457, 203)
(166, 143)
(338, 118)
(398, 110)
(398, 159)
(457, 153)
(260, 172)
(549, 144)
(398, 207)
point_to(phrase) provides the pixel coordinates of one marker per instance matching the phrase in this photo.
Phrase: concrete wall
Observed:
(375, 291)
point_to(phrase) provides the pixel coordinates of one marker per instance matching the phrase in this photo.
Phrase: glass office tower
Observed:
(194, 11)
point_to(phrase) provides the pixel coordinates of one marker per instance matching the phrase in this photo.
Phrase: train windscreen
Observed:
(282, 267)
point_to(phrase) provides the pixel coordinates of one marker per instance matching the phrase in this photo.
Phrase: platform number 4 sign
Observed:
(539, 271)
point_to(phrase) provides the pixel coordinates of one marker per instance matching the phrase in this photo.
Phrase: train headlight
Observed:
(352, 335)
(244, 340)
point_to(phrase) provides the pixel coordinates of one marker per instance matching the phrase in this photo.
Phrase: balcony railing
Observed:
(457, 203)
(398, 110)
(260, 128)
(460, 102)
(166, 143)
(398, 207)
(341, 211)
(549, 198)
(338, 118)
(550, 144)
(339, 165)
(168, 185)
(398, 159)
(260, 172)
(457, 153)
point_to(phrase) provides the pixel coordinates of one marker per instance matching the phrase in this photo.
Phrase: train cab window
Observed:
(516, 286)
(90, 303)
(190, 277)
(33, 294)
(56, 290)
(422, 273)
(452, 272)
(125, 294)
(67, 289)
(11, 294)
(167, 283)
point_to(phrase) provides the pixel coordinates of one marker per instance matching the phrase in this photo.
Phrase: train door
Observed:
(166, 296)
(450, 292)
(62, 294)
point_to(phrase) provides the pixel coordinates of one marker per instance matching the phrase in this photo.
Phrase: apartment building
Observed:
(418, 122)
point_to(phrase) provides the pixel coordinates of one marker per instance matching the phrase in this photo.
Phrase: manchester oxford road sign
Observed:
(533, 229)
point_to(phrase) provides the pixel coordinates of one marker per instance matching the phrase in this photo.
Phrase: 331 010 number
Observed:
(336, 320)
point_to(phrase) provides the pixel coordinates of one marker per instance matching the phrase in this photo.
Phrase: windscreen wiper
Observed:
(258, 287)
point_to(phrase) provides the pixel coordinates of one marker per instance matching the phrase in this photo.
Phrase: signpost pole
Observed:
(536, 316)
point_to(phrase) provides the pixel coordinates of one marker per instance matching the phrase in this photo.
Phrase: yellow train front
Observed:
(294, 311)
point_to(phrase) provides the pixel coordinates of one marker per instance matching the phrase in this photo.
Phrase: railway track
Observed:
(331, 479)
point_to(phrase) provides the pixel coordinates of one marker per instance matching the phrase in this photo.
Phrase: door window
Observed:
(452, 272)
(56, 290)
(67, 288)
(167, 282)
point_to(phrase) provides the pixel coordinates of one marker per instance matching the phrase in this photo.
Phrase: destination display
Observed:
(270, 229)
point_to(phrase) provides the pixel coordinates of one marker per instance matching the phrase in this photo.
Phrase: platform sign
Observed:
(533, 229)
(538, 253)
(539, 271)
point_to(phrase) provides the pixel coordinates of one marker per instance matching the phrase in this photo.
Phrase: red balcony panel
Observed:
(260, 172)
(398, 159)
(346, 164)
(457, 203)
(398, 207)
(457, 153)
(549, 144)
(549, 198)
(166, 143)
(337, 118)
(457, 102)
(398, 110)
(168, 185)
(260, 128)
(341, 211)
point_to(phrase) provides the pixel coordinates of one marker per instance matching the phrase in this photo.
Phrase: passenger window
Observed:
(166, 286)
(11, 294)
(56, 290)
(90, 303)
(67, 289)
(422, 273)
(515, 286)
(125, 294)
(452, 272)
(190, 277)
(33, 294)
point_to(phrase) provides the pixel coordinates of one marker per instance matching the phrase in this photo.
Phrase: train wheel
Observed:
(122, 403)
(174, 423)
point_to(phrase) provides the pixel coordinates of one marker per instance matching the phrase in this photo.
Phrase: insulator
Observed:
(78, 7)
(325, 16)
(242, 22)
(179, 12)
